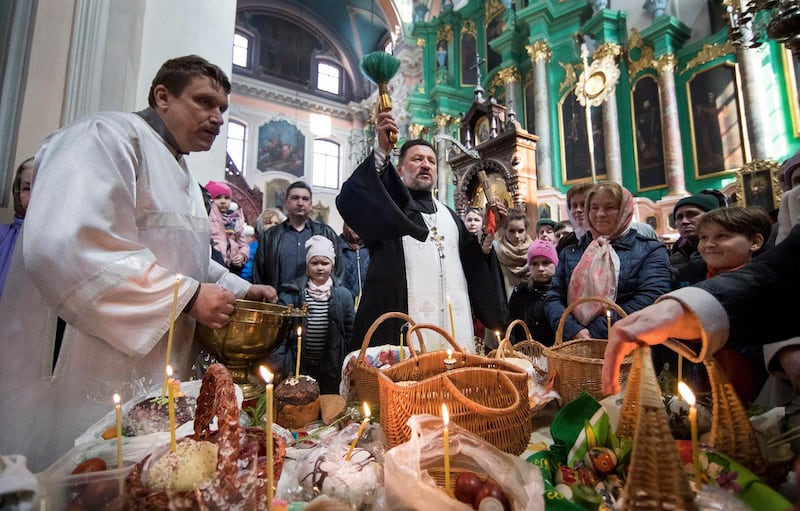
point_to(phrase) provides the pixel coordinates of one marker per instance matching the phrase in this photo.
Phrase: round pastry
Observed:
(297, 402)
(192, 464)
(152, 415)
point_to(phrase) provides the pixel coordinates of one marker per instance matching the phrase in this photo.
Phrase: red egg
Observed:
(90, 465)
(491, 489)
(467, 485)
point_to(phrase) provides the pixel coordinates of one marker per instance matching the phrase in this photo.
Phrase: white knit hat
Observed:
(320, 246)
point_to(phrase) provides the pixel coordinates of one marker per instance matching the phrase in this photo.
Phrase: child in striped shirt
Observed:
(329, 323)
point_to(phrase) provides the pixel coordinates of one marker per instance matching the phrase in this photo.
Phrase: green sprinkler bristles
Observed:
(379, 66)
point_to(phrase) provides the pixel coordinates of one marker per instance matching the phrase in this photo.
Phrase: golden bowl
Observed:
(254, 330)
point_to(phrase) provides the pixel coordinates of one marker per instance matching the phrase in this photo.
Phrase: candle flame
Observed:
(367, 413)
(608, 313)
(449, 353)
(169, 371)
(178, 278)
(686, 393)
(116, 399)
(265, 374)
(299, 331)
(497, 334)
(445, 415)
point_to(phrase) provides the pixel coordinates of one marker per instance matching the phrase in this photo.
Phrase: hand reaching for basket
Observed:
(647, 327)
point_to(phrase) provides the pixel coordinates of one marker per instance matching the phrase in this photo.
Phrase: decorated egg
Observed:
(566, 475)
(601, 459)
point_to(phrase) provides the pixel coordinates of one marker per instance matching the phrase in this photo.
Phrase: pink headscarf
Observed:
(597, 273)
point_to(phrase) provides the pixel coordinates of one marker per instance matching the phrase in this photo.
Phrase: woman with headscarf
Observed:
(610, 260)
(511, 246)
(21, 190)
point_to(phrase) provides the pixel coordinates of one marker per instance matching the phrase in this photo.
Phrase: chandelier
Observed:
(752, 21)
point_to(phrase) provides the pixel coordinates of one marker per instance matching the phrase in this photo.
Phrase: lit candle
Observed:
(446, 431)
(299, 348)
(171, 327)
(608, 321)
(688, 396)
(450, 361)
(497, 334)
(173, 444)
(118, 413)
(268, 433)
(360, 432)
(452, 322)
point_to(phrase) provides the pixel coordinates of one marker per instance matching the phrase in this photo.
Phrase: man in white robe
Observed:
(114, 218)
(423, 261)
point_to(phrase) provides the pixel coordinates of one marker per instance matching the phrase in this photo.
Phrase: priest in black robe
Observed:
(423, 259)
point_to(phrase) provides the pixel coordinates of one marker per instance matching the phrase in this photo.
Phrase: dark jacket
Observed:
(340, 330)
(266, 261)
(644, 275)
(527, 303)
(353, 260)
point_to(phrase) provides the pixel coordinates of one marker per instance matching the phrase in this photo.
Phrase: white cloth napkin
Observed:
(19, 489)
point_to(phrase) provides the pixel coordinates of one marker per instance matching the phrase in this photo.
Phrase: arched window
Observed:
(329, 77)
(237, 135)
(326, 164)
(241, 49)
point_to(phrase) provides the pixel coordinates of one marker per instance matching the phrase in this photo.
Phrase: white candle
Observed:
(608, 320)
(267, 376)
(446, 432)
(688, 396)
(360, 432)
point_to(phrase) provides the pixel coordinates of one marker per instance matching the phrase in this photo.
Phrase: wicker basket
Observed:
(236, 445)
(364, 376)
(655, 478)
(577, 365)
(486, 396)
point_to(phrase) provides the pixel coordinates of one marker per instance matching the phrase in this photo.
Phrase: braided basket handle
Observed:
(479, 408)
(439, 330)
(562, 322)
(218, 398)
(374, 327)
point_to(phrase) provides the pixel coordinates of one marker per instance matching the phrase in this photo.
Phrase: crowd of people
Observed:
(93, 288)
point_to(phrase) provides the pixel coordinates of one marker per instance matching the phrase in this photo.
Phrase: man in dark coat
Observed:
(280, 257)
(423, 260)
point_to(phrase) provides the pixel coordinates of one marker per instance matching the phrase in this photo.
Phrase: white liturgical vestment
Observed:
(433, 280)
(114, 217)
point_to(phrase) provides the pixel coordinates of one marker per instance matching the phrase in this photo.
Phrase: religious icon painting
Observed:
(648, 140)
(719, 135)
(758, 184)
(574, 142)
(281, 148)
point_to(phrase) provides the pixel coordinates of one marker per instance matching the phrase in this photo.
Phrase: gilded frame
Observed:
(644, 133)
(725, 148)
(791, 67)
(757, 184)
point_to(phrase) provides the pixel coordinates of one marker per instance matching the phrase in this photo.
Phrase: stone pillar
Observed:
(443, 167)
(611, 119)
(673, 155)
(510, 77)
(540, 55)
(755, 100)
